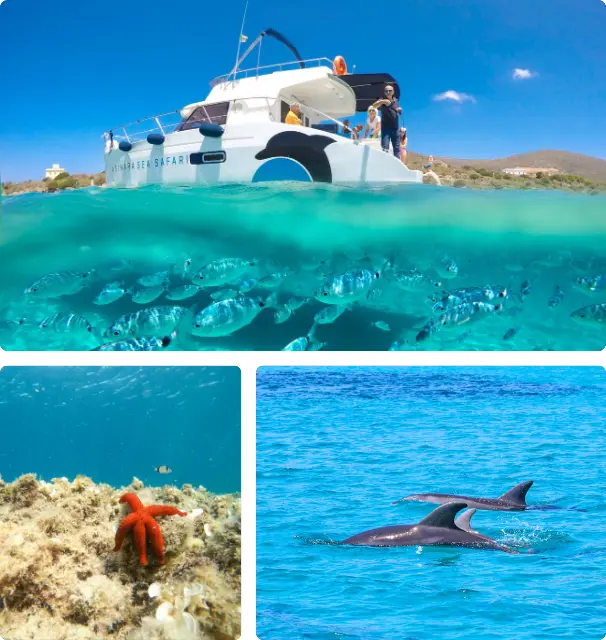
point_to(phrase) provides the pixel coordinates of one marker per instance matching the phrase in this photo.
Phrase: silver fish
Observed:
(66, 323)
(382, 326)
(222, 271)
(465, 312)
(146, 295)
(511, 333)
(154, 279)
(556, 298)
(414, 280)
(591, 314)
(296, 303)
(183, 292)
(273, 280)
(591, 284)
(469, 294)
(350, 286)
(248, 285)
(305, 343)
(448, 268)
(62, 283)
(162, 320)
(136, 344)
(329, 314)
(226, 316)
(282, 315)
(223, 294)
(110, 293)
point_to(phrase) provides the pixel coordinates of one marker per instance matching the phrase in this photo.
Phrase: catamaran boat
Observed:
(238, 134)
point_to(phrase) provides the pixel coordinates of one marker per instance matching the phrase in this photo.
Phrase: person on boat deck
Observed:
(357, 131)
(346, 130)
(292, 117)
(390, 120)
(403, 144)
(373, 123)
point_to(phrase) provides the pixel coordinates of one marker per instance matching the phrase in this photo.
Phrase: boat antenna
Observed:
(241, 38)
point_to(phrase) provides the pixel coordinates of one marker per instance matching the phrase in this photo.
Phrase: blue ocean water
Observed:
(113, 423)
(336, 446)
(528, 247)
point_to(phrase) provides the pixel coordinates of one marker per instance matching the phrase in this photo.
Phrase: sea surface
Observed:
(113, 423)
(520, 251)
(335, 448)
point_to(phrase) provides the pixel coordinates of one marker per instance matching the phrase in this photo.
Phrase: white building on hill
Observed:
(527, 171)
(54, 171)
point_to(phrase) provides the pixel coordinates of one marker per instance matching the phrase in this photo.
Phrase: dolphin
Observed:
(437, 529)
(513, 500)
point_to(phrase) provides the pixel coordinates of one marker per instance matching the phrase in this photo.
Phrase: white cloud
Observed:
(455, 96)
(524, 74)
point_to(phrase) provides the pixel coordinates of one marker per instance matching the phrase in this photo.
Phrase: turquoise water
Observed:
(113, 423)
(527, 248)
(335, 447)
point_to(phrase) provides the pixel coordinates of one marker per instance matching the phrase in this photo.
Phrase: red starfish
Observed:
(142, 522)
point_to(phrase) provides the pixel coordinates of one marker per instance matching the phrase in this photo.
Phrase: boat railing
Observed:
(166, 123)
(269, 68)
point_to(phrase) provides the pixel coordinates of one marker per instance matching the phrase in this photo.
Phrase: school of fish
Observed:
(203, 303)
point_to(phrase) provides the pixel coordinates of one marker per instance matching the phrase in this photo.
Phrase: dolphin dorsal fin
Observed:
(444, 515)
(464, 521)
(517, 495)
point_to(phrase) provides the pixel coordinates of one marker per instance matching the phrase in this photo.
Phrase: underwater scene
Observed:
(298, 267)
(120, 503)
(364, 476)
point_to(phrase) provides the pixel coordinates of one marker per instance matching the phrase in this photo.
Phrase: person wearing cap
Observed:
(292, 116)
(390, 120)
(373, 123)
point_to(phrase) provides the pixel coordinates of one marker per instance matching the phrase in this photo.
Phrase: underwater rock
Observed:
(59, 578)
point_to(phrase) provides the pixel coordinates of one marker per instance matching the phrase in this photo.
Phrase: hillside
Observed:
(570, 163)
(477, 176)
(64, 181)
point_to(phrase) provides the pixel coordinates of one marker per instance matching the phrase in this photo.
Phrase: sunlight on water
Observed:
(385, 256)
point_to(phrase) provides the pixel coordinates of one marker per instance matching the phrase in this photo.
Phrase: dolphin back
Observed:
(517, 495)
(444, 516)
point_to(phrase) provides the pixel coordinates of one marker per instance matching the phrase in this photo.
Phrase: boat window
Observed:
(215, 113)
(284, 109)
(209, 157)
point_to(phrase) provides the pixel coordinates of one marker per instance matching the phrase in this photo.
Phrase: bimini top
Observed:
(314, 86)
(368, 87)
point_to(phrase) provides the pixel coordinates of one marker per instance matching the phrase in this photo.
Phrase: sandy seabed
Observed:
(61, 580)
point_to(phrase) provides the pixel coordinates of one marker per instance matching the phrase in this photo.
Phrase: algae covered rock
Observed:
(61, 580)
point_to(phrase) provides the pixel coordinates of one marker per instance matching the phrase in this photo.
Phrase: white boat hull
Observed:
(259, 152)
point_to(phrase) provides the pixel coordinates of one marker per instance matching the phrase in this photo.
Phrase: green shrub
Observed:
(62, 175)
(474, 176)
(458, 183)
(59, 184)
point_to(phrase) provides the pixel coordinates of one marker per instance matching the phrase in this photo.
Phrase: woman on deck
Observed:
(403, 144)
(373, 123)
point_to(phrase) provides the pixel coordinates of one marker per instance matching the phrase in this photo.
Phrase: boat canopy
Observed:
(314, 87)
(368, 87)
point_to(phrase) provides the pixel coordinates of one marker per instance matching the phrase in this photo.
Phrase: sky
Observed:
(479, 78)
